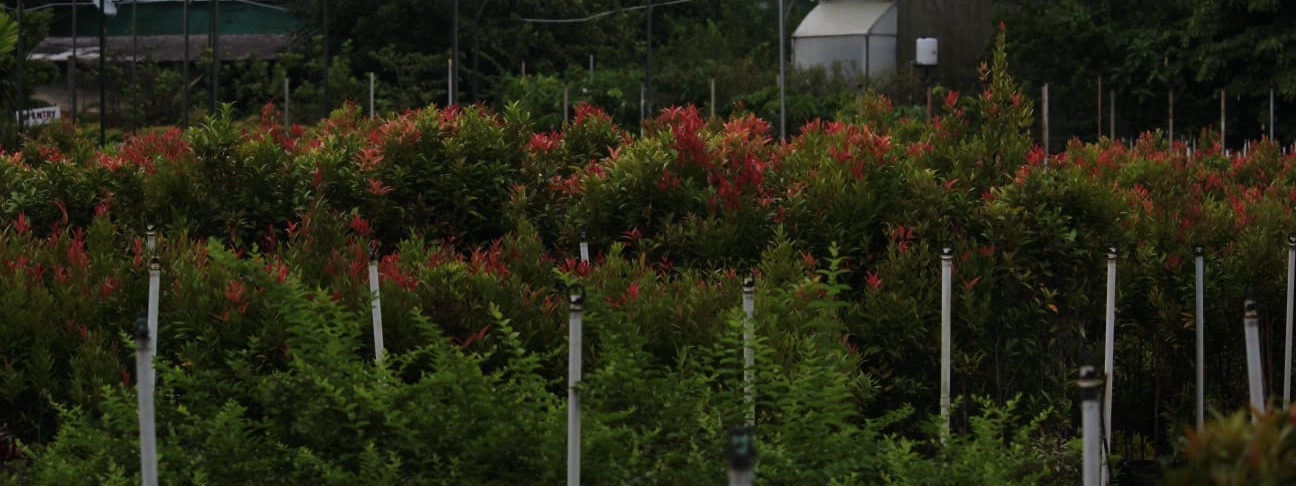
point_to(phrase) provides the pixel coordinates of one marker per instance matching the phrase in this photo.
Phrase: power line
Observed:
(600, 14)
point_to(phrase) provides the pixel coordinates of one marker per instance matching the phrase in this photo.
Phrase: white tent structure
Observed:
(857, 35)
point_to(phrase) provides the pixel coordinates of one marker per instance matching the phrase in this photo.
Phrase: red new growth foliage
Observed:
(873, 280)
(586, 111)
(360, 225)
(377, 188)
(390, 270)
(543, 143)
(22, 225)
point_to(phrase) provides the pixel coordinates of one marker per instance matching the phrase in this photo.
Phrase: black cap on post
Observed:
(141, 327)
(1199, 250)
(1249, 306)
(1291, 240)
(749, 283)
(576, 296)
(947, 250)
(1112, 251)
(1089, 383)
(373, 251)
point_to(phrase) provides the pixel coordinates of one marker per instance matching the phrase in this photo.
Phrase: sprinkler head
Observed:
(1199, 250)
(576, 295)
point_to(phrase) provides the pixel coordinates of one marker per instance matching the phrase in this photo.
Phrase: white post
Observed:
(584, 248)
(713, 111)
(375, 304)
(1109, 351)
(1045, 120)
(1091, 416)
(576, 298)
(749, 354)
(1199, 261)
(1291, 314)
(145, 335)
(371, 95)
(286, 103)
(450, 82)
(947, 267)
(1251, 325)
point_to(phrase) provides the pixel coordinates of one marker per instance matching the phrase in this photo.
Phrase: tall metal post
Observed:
(1291, 315)
(1092, 415)
(782, 74)
(454, 52)
(1044, 122)
(947, 271)
(1251, 326)
(21, 102)
(1109, 350)
(144, 387)
(215, 46)
(72, 66)
(576, 298)
(749, 353)
(648, 80)
(184, 76)
(103, 91)
(375, 304)
(1199, 261)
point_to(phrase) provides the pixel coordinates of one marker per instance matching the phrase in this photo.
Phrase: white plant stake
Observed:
(584, 248)
(154, 291)
(145, 379)
(749, 354)
(1251, 324)
(375, 304)
(576, 298)
(1092, 415)
(947, 270)
(1291, 313)
(1109, 352)
(1199, 261)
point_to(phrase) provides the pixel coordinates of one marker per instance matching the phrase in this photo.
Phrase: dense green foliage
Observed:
(266, 363)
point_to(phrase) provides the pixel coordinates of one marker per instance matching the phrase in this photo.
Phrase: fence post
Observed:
(1199, 254)
(947, 271)
(1092, 415)
(1251, 326)
(375, 303)
(1291, 314)
(575, 299)
(749, 354)
(1109, 350)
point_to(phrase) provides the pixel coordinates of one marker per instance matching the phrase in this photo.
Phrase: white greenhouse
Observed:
(857, 36)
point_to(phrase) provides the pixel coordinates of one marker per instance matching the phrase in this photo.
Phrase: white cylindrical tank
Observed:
(926, 51)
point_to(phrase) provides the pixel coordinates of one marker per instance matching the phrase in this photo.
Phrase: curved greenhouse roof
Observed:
(842, 18)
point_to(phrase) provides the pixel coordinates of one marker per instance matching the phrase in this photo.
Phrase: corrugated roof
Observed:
(843, 18)
(168, 48)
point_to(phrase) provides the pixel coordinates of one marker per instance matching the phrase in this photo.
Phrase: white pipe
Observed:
(1109, 351)
(1091, 416)
(749, 354)
(584, 248)
(154, 291)
(947, 267)
(575, 300)
(145, 381)
(376, 305)
(1291, 313)
(1199, 261)
(1251, 323)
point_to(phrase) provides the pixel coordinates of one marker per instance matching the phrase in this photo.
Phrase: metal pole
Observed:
(713, 106)
(591, 80)
(584, 248)
(947, 271)
(22, 96)
(1271, 119)
(215, 45)
(287, 105)
(449, 83)
(154, 290)
(1100, 102)
(649, 78)
(1199, 260)
(454, 51)
(1092, 416)
(576, 297)
(1111, 102)
(1171, 116)
(371, 95)
(565, 101)
(1223, 145)
(144, 387)
(103, 91)
(72, 66)
(375, 303)
(782, 75)
(749, 353)
(134, 61)
(1109, 349)
(1045, 121)
(1291, 314)
(1251, 325)
(185, 70)
(325, 83)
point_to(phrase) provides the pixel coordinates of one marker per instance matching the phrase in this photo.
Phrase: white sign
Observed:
(38, 116)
